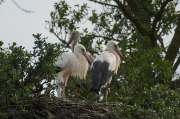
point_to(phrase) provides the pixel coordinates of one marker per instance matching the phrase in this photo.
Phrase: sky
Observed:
(18, 26)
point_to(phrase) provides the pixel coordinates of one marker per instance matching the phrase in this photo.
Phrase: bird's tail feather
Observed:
(94, 90)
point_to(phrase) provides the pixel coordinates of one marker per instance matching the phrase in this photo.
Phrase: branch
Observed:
(158, 16)
(63, 41)
(108, 38)
(73, 110)
(174, 45)
(102, 3)
(28, 11)
(129, 15)
(176, 64)
(162, 44)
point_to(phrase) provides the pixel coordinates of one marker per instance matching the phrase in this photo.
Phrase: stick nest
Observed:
(41, 107)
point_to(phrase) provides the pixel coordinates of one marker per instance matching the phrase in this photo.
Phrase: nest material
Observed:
(39, 108)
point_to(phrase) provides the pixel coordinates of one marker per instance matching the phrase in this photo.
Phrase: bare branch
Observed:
(102, 3)
(176, 64)
(28, 11)
(73, 110)
(161, 42)
(129, 15)
(174, 45)
(158, 16)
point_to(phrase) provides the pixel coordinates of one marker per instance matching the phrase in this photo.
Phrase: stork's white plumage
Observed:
(104, 66)
(74, 40)
(75, 64)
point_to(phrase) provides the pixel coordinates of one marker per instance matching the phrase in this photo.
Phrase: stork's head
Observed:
(113, 47)
(81, 50)
(74, 37)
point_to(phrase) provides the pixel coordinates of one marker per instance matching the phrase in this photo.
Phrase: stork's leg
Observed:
(96, 98)
(58, 91)
(63, 90)
(106, 92)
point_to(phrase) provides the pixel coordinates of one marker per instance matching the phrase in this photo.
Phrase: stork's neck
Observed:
(74, 43)
(117, 60)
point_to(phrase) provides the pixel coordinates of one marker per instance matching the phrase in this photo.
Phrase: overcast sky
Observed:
(18, 26)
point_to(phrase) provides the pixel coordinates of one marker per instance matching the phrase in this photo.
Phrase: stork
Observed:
(104, 66)
(75, 64)
(74, 40)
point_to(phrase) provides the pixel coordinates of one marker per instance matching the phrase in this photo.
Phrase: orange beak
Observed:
(120, 54)
(87, 58)
(70, 40)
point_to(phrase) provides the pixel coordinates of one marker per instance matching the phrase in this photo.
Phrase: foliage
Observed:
(143, 86)
(24, 73)
(138, 28)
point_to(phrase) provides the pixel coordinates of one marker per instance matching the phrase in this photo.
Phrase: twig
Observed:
(158, 16)
(73, 110)
(28, 11)
(80, 96)
(102, 3)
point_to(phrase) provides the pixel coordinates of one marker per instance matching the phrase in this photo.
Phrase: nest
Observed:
(41, 107)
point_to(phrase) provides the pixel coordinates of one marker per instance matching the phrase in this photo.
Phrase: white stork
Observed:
(74, 40)
(104, 66)
(75, 64)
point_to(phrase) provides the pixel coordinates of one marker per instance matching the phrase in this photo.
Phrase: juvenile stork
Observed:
(104, 66)
(74, 40)
(75, 64)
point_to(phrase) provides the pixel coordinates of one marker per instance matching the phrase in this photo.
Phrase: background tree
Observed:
(143, 86)
(138, 27)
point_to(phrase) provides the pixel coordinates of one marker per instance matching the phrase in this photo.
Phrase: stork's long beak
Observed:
(120, 54)
(70, 40)
(89, 61)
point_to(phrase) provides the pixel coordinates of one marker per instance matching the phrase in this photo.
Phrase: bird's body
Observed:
(104, 66)
(74, 41)
(75, 64)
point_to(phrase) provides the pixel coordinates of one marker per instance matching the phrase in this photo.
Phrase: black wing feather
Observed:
(100, 75)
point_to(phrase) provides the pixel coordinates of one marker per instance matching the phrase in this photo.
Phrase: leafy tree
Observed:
(143, 86)
(24, 73)
(138, 26)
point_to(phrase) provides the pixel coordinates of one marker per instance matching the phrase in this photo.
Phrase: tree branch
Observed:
(28, 11)
(174, 45)
(176, 64)
(158, 16)
(102, 3)
(162, 44)
(129, 15)
(73, 110)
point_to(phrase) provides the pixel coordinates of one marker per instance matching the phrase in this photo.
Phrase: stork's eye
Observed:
(82, 50)
(115, 46)
(73, 34)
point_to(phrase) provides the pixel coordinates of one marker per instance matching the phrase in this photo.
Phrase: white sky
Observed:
(18, 26)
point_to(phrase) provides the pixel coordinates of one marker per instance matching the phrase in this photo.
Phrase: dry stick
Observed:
(79, 96)
(27, 11)
(76, 109)
(73, 110)
(103, 3)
